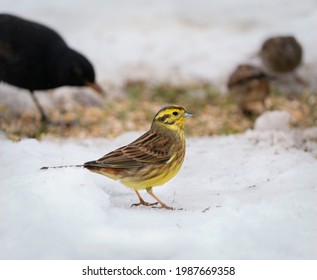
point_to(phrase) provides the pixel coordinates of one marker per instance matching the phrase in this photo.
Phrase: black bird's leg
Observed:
(44, 119)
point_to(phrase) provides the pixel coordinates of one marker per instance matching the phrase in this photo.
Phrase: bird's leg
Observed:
(44, 119)
(163, 205)
(142, 202)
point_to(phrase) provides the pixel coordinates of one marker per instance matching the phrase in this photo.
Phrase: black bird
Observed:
(35, 57)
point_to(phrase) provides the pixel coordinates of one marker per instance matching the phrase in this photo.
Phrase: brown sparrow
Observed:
(250, 87)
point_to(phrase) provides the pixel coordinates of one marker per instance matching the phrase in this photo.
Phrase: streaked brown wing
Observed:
(151, 147)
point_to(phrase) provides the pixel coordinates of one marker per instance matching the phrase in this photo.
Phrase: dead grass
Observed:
(215, 113)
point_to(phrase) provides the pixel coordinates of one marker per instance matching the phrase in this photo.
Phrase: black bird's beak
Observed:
(96, 88)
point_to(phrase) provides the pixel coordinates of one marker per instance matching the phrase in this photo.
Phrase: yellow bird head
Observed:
(172, 117)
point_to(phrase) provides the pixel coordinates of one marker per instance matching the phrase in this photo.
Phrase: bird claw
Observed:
(163, 206)
(144, 203)
(169, 208)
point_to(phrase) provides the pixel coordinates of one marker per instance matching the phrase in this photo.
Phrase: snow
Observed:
(248, 196)
(273, 120)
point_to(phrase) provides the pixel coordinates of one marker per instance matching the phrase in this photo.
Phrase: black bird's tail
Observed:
(61, 166)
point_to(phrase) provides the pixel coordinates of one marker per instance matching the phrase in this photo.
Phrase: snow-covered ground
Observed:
(250, 196)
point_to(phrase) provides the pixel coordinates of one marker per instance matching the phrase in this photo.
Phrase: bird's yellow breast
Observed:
(160, 175)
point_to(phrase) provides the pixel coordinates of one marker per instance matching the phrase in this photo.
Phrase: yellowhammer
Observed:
(152, 159)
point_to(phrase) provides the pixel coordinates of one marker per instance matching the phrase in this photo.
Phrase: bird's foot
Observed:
(168, 208)
(164, 206)
(144, 203)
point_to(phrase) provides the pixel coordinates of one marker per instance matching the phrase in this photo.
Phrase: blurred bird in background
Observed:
(250, 87)
(35, 57)
(281, 54)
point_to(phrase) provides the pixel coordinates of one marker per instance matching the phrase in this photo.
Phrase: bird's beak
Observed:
(188, 115)
(96, 88)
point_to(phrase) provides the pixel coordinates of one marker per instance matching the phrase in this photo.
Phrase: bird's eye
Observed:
(175, 113)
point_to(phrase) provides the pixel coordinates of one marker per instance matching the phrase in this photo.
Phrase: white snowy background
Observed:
(248, 196)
